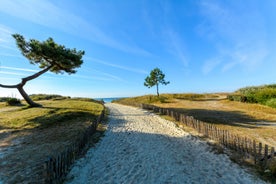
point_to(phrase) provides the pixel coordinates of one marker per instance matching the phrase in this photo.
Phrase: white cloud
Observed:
(239, 36)
(176, 46)
(12, 73)
(17, 69)
(110, 76)
(47, 14)
(6, 40)
(210, 65)
(118, 66)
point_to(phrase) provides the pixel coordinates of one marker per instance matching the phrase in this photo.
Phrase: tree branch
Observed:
(9, 86)
(26, 79)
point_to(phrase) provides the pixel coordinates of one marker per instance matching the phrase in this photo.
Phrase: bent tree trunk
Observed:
(27, 98)
(23, 82)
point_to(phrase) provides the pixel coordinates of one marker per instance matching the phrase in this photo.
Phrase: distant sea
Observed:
(108, 100)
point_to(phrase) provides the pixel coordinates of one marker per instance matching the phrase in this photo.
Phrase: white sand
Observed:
(140, 147)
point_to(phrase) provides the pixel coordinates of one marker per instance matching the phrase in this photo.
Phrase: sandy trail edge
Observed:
(140, 147)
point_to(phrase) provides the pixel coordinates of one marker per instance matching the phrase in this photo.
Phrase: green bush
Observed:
(4, 99)
(271, 102)
(237, 97)
(265, 94)
(13, 101)
(37, 97)
(256, 94)
(154, 99)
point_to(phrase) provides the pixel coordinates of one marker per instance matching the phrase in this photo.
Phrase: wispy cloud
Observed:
(210, 65)
(11, 55)
(5, 34)
(12, 73)
(7, 78)
(117, 66)
(110, 76)
(176, 46)
(240, 38)
(6, 40)
(47, 14)
(18, 69)
(96, 78)
(98, 75)
(161, 29)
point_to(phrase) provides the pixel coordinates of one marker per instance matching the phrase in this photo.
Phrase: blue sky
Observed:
(201, 46)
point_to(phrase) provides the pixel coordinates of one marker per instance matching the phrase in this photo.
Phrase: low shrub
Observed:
(13, 101)
(188, 96)
(154, 99)
(265, 95)
(271, 102)
(4, 99)
(37, 97)
(237, 97)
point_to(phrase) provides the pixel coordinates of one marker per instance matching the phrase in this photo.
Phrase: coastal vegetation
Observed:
(265, 95)
(250, 120)
(254, 121)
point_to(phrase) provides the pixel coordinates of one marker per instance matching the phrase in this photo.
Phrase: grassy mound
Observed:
(165, 98)
(30, 135)
(51, 114)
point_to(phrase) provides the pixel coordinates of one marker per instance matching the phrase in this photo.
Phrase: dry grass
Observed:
(251, 120)
(29, 135)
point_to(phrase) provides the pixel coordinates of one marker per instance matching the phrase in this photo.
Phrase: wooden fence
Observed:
(55, 168)
(262, 154)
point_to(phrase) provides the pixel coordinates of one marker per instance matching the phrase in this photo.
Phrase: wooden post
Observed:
(265, 155)
(46, 172)
(260, 151)
(254, 151)
(272, 153)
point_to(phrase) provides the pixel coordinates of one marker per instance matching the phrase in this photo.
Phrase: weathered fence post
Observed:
(260, 152)
(265, 156)
(255, 152)
(272, 152)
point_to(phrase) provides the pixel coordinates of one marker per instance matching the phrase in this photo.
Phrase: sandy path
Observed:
(140, 147)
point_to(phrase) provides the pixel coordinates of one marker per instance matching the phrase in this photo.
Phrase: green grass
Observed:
(165, 98)
(41, 132)
(53, 112)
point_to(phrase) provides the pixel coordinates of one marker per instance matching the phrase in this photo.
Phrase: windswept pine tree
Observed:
(49, 56)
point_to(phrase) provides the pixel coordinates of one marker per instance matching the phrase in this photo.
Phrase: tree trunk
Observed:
(157, 89)
(27, 98)
(23, 82)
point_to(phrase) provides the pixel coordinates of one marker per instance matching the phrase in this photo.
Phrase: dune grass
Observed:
(29, 135)
(251, 120)
(52, 113)
(58, 122)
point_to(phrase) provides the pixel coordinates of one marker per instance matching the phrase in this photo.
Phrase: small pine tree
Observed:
(155, 78)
